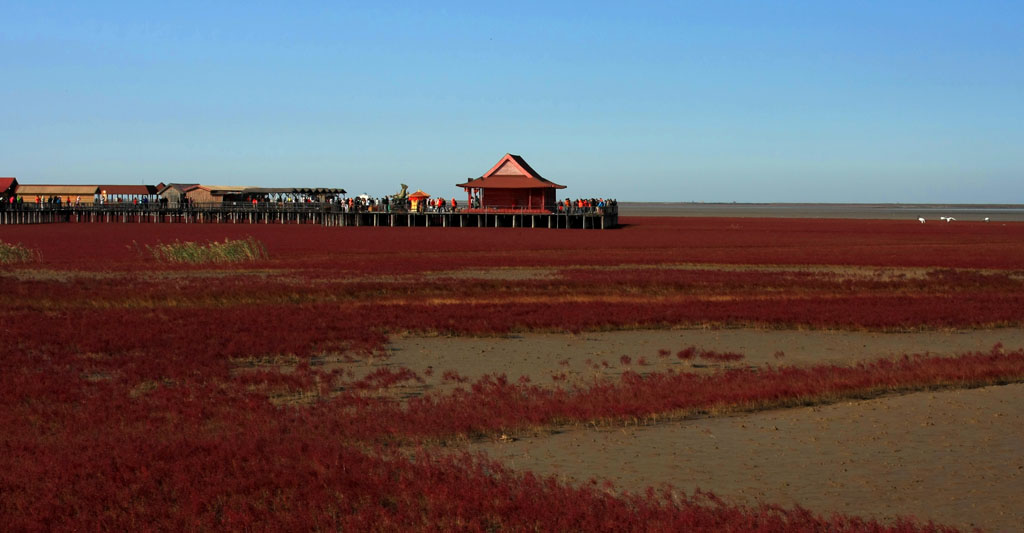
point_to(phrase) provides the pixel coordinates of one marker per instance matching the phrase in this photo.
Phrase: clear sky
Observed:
(717, 101)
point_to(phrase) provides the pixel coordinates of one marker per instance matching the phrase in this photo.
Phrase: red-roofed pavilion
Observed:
(8, 186)
(417, 198)
(512, 185)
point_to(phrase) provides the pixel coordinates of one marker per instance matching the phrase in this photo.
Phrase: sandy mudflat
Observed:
(962, 212)
(539, 356)
(956, 457)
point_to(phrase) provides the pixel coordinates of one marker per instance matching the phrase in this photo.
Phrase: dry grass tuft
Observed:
(17, 253)
(229, 251)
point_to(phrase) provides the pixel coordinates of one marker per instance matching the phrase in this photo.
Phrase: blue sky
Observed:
(648, 101)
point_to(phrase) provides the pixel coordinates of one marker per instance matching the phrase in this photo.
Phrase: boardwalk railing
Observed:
(327, 214)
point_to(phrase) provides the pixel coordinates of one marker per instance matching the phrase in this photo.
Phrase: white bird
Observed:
(920, 219)
(942, 218)
(986, 219)
(950, 219)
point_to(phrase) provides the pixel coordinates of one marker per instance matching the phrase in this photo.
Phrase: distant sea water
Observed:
(932, 212)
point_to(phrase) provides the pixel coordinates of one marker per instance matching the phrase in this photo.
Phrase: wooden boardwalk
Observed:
(323, 214)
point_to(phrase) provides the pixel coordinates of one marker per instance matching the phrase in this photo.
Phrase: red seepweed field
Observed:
(270, 395)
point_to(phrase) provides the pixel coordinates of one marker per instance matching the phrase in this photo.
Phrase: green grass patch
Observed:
(229, 251)
(17, 253)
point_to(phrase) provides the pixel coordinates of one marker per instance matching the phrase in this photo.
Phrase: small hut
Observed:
(174, 192)
(418, 199)
(214, 194)
(512, 185)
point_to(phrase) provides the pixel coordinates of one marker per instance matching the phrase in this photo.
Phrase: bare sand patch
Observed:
(599, 355)
(550, 359)
(495, 273)
(838, 272)
(956, 457)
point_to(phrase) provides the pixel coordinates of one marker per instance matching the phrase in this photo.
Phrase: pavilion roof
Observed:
(511, 172)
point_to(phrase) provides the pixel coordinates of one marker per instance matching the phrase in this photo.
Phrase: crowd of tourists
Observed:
(65, 202)
(353, 204)
(586, 205)
(50, 202)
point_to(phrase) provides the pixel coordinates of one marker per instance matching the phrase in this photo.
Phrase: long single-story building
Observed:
(85, 194)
